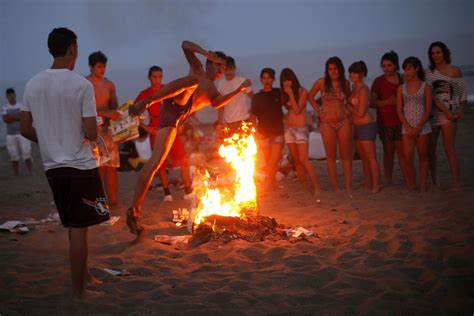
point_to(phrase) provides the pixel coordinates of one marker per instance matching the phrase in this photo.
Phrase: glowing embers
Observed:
(232, 193)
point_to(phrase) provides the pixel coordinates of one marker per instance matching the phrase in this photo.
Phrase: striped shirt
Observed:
(450, 91)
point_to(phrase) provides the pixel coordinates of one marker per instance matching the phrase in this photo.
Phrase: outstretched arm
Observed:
(169, 90)
(219, 100)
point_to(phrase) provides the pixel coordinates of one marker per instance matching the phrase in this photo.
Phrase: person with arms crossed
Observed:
(17, 146)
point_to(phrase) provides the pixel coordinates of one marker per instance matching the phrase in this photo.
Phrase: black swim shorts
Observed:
(79, 196)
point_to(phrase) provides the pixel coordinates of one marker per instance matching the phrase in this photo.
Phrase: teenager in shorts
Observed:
(61, 104)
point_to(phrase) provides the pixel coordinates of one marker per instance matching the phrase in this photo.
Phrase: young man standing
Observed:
(177, 152)
(61, 104)
(182, 97)
(107, 105)
(17, 146)
(236, 111)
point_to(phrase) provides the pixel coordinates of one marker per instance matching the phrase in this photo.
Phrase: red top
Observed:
(154, 109)
(386, 115)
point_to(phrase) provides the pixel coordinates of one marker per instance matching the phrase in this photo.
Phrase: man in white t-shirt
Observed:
(237, 110)
(59, 113)
(17, 146)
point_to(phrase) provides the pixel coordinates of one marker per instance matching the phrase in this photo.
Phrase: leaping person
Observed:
(181, 98)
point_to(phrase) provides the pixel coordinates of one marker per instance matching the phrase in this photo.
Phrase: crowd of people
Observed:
(60, 112)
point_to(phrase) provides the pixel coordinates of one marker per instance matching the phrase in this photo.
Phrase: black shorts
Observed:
(79, 196)
(173, 114)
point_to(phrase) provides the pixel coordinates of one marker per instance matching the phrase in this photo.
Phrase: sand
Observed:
(391, 253)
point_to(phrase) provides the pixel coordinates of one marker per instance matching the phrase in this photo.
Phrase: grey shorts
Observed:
(296, 134)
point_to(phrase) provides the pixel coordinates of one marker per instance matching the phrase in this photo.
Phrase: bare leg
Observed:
(344, 136)
(449, 137)
(29, 165)
(422, 147)
(273, 162)
(298, 164)
(109, 179)
(408, 149)
(16, 167)
(433, 144)
(164, 139)
(388, 159)
(369, 152)
(303, 156)
(365, 164)
(330, 146)
(401, 160)
(78, 260)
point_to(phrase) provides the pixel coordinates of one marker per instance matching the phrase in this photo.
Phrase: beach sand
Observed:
(392, 253)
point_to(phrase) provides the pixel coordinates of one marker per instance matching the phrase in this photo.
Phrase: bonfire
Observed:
(226, 204)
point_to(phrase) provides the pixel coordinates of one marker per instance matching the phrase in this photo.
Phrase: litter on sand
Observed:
(122, 272)
(111, 221)
(172, 240)
(180, 216)
(295, 233)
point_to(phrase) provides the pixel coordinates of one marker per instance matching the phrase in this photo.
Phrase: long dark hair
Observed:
(336, 61)
(444, 49)
(288, 74)
(392, 57)
(415, 62)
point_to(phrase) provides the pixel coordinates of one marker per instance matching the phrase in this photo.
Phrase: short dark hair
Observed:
(359, 67)
(230, 62)
(444, 49)
(415, 63)
(219, 54)
(153, 69)
(59, 41)
(97, 57)
(268, 71)
(9, 91)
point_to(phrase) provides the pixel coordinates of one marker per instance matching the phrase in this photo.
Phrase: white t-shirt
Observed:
(237, 109)
(58, 99)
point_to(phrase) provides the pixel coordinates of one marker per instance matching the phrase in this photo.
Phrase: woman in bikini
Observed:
(414, 107)
(365, 126)
(336, 128)
(450, 97)
(294, 97)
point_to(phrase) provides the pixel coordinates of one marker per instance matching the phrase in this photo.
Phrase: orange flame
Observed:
(239, 151)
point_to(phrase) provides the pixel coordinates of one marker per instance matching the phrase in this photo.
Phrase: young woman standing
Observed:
(384, 99)
(365, 126)
(294, 97)
(449, 96)
(414, 107)
(336, 129)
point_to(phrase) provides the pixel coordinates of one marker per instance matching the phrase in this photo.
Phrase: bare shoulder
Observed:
(109, 84)
(302, 91)
(455, 72)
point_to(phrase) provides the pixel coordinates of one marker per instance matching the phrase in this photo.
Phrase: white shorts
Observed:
(18, 147)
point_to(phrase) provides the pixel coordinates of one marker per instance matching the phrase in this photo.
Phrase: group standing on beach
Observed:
(60, 111)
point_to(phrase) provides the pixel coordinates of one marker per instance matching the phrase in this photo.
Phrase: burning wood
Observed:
(234, 194)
